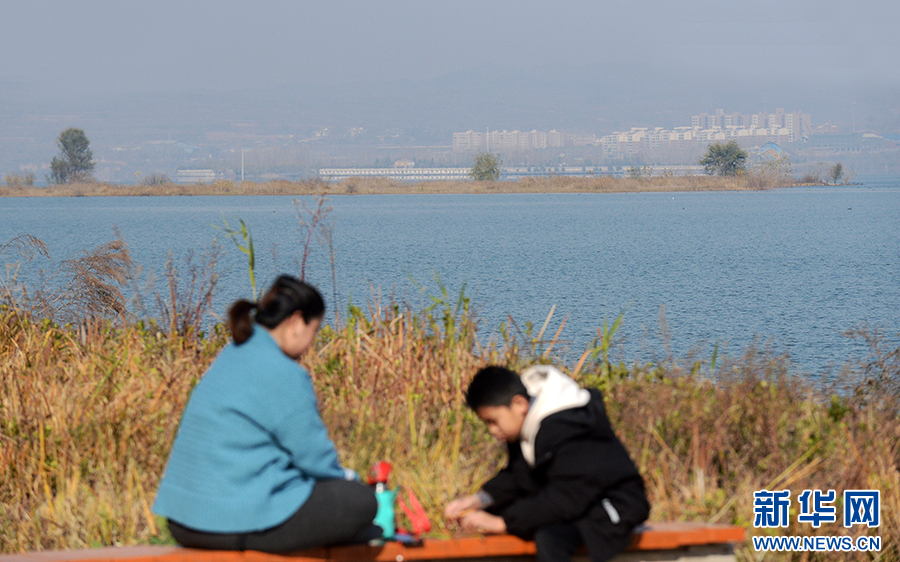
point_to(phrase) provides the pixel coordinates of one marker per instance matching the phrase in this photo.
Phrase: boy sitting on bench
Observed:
(569, 481)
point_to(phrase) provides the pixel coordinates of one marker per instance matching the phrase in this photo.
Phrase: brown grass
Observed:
(86, 423)
(82, 424)
(558, 184)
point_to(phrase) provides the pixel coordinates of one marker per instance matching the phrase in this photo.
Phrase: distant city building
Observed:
(400, 173)
(497, 141)
(195, 176)
(749, 130)
(797, 123)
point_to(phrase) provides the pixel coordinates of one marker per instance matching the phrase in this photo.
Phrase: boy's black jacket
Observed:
(578, 462)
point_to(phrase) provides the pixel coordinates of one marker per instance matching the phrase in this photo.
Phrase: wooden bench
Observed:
(656, 542)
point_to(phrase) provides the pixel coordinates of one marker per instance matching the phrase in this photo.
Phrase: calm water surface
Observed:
(796, 267)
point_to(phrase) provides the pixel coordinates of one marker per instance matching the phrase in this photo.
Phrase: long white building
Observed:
(642, 139)
(755, 129)
(797, 123)
(498, 141)
(400, 173)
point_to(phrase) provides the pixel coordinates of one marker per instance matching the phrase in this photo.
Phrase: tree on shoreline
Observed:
(486, 167)
(74, 162)
(724, 159)
(836, 173)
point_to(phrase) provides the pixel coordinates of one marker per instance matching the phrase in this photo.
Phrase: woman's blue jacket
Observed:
(250, 446)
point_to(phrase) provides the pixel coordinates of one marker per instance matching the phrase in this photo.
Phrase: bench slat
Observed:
(654, 536)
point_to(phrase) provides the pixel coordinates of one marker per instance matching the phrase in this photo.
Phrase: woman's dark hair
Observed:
(494, 386)
(286, 296)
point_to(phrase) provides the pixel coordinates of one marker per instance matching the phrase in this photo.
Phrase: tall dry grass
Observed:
(316, 186)
(706, 445)
(86, 421)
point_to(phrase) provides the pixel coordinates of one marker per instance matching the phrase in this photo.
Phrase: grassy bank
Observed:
(87, 416)
(557, 184)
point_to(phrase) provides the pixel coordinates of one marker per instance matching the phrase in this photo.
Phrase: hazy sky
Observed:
(126, 46)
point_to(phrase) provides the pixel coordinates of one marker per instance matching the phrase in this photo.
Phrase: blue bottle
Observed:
(384, 517)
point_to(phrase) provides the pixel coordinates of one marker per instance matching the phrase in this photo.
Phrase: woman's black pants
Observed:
(337, 512)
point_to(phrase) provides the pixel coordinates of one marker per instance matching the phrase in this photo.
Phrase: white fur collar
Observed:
(551, 391)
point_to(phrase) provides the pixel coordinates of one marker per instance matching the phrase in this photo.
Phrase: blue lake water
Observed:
(796, 267)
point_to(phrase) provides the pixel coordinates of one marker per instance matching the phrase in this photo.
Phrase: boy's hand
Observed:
(459, 507)
(483, 522)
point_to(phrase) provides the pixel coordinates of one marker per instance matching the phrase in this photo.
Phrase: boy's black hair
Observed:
(494, 386)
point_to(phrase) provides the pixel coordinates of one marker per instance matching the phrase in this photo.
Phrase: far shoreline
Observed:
(382, 186)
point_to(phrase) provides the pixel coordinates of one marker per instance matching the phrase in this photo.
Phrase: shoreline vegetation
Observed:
(89, 413)
(368, 186)
(92, 390)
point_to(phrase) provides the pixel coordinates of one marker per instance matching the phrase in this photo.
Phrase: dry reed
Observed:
(316, 186)
(87, 418)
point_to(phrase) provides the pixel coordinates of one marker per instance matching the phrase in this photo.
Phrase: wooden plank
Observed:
(652, 537)
(664, 536)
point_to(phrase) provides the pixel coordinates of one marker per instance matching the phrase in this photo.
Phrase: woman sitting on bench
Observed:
(252, 466)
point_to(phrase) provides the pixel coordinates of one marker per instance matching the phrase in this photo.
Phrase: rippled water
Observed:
(796, 267)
